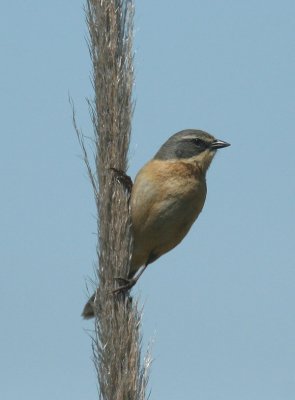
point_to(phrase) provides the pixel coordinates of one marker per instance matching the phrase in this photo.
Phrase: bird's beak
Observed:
(219, 144)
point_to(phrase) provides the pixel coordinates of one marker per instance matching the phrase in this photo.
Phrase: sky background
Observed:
(220, 307)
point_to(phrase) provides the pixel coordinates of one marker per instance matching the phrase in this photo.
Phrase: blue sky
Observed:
(220, 307)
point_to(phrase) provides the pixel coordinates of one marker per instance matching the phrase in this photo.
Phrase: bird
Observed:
(167, 197)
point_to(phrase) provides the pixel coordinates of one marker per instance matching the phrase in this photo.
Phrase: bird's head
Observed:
(191, 145)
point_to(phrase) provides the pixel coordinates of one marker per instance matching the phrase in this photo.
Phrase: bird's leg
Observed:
(129, 283)
(123, 178)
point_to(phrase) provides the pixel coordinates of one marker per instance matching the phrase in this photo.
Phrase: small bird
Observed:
(168, 194)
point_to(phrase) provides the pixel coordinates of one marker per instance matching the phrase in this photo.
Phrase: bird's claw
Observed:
(123, 178)
(127, 285)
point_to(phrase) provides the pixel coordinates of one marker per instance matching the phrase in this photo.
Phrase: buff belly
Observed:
(163, 214)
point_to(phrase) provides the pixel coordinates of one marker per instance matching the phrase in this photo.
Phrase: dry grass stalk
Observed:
(117, 339)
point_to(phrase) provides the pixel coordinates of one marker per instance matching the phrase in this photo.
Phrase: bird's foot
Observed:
(127, 284)
(123, 178)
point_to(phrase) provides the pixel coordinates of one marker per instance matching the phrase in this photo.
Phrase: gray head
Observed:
(189, 143)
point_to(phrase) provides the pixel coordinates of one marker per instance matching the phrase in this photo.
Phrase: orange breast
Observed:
(166, 199)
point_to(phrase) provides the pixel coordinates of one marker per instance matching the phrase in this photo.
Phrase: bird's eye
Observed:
(199, 142)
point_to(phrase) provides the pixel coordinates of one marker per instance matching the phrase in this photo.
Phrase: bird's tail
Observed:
(88, 311)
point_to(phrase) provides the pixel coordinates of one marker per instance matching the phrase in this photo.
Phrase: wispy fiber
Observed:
(117, 340)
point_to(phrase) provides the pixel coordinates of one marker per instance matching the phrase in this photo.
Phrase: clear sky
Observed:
(220, 307)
